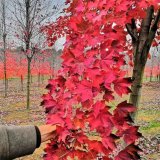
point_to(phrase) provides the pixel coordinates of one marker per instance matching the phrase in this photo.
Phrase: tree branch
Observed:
(146, 24)
(132, 30)
(154, 28)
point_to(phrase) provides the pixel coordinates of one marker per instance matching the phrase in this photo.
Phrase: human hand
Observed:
(48, 132)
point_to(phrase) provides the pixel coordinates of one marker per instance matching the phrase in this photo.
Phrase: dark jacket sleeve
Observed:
(17, 141)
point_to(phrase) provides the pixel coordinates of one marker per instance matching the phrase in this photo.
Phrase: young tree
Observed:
(4, 36)
(90, 76)
(29, 15)
(142, 38)
(142, 29)
(21, 70)
(152, 65)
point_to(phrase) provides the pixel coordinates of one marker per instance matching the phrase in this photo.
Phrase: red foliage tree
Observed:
(90, 76)
(11, 65)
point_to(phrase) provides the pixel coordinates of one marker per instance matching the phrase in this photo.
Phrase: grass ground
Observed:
(13, 111)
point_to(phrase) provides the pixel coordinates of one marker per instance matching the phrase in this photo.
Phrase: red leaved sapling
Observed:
(90, 77)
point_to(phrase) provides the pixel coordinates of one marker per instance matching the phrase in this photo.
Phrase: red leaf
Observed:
(149, 56)
(109, 78)
(121, 86)
(130, 152)
(102, 120)
(55, 119)
(154, 44)
(85, 90)
(108, 95)
(109, 143)
(124, 108)
(98, 147)
(97, 107)
(130, 134)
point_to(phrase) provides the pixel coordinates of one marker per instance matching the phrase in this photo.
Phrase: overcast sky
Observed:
(61, 41)
(10, 8)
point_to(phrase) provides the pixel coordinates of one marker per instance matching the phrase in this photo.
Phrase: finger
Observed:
(48, 137)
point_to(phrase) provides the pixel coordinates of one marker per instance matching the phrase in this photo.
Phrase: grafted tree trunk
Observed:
(141, 45)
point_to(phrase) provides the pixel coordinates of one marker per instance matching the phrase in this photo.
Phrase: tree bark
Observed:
(39, 76)
(42, 78)
(151, 73)
(27, 43)
(136, 85)
(5, 68)
(31, 78)
(4, 45)
(28, 82)
(21, 83)
(141, 45)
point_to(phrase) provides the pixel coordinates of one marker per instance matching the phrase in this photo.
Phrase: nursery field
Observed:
(13, 112)
(91, 47)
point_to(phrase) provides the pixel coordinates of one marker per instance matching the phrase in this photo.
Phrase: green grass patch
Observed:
(148, 115)
(153, 124)
(153, 128)
(149, 121)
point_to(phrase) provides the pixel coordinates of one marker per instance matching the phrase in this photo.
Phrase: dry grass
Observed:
(14, 111)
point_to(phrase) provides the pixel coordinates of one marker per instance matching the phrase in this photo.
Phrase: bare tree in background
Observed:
(152, 63)
(28, 17)
(4, 40)
(158, 63)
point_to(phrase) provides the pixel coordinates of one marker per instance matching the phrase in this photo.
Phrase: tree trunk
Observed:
(39, 75)
(31, 78)
(28, 82)
(7, 83)
(5, 73)
(146, 77)
(152, 66)
(141, 45)
(151, 75)
(27, 43)
(42, 78)
(21, 83)
(136, 87)
(158, 71)
(4, 45)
